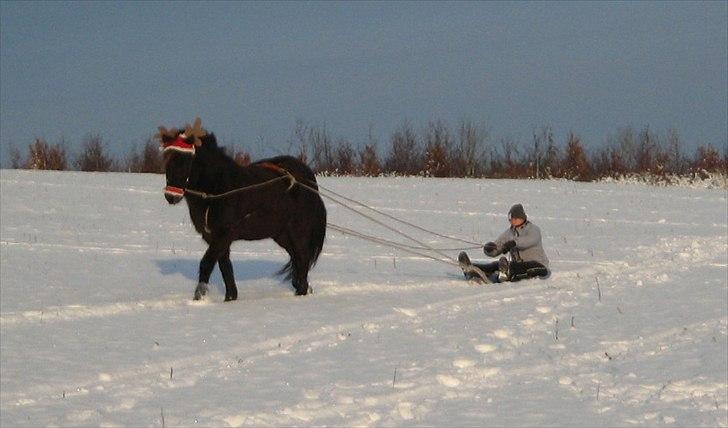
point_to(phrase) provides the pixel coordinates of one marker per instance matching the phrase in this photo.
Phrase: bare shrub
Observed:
(545, 159)
(677, 163)
(345, 161)
(508, 161)
(16, 159)
(149, 161)
(707, 158)
(575, 164)
(436, 162)
(405, 155)
(93, 156)
(369, 161)
(466, 156)
(646, 152)
(41, 155)
(322, 150)
(300, 141)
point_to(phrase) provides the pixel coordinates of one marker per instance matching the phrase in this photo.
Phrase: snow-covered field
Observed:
(98, 327)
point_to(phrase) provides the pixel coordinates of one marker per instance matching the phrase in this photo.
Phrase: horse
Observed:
(272, 198)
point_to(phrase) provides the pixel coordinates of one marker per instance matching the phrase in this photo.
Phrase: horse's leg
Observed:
(226, 268)
(216, 249)
(301, 260)
(286, 243)
(302, 287)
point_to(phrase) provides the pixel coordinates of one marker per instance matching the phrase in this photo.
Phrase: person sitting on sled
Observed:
(522, 241)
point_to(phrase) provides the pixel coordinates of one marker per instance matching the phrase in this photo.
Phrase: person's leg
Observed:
(524, 270)
(476, 270)
(488, 268)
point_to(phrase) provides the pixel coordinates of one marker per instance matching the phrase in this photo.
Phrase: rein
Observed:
(412, 249)
(286, 176)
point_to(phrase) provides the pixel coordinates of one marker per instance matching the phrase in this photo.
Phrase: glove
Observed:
(490, 249)
(508, 246)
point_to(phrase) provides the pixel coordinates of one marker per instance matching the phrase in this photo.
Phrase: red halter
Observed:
(180, 144)
(174, 191)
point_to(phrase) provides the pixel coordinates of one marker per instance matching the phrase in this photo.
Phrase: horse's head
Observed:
(178, 147)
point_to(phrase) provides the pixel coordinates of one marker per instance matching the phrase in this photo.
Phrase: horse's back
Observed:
(309, 229)
(295, 166)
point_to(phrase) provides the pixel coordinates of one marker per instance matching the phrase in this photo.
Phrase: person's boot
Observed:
(503, 268)
(463, 260)
(470, 270)
(466, 265)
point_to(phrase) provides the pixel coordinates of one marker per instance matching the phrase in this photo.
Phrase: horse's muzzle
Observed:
(173, 194)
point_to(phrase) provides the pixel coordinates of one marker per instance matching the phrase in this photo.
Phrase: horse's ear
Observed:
(195, 132)
(209, 140)
(165, 134)
(162, 132)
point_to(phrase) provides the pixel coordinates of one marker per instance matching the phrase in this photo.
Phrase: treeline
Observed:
(437, 150)
(94, 157)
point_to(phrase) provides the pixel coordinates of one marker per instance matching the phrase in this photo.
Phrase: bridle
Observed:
(173, 141)
(181, 145)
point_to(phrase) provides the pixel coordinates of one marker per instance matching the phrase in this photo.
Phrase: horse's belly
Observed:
(256, 227)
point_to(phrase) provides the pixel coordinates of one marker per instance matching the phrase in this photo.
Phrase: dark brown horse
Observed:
(228, 202)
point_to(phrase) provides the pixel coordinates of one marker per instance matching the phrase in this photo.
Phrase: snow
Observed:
(98, 326)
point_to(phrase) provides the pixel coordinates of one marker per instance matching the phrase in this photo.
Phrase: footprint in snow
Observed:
(408, 312)
(405, 410)
(529, 322)
(463, 363)
(484, 348)
(501, 333)
(448, 381)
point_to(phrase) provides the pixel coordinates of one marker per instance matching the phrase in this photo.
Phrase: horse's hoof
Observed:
(230, 298)
(200, 291)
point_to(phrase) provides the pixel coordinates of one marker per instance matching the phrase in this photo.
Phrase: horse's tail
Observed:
(318, 231)
(314, 203)
(287, 270)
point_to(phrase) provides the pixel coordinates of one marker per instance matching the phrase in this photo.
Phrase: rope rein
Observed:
(405, 248)
(322, 191)
(374, 220)
(207, 196)
(452, 238)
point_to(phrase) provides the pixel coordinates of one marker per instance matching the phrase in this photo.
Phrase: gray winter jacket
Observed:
(528, 244)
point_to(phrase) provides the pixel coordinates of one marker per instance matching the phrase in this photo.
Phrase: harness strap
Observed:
(280, 170)
(207, 213)
(203, 195)
(273, 167)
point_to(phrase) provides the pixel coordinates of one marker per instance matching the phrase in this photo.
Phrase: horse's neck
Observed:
(220, 176)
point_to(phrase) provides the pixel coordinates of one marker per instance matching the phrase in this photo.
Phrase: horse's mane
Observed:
(219, 153)
(223, 160)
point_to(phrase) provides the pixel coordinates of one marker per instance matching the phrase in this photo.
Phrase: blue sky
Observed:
(250, 70)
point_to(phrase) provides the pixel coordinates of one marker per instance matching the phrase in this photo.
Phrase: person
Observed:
(522, 241)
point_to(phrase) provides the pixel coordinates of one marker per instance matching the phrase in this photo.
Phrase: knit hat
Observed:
(517, 211)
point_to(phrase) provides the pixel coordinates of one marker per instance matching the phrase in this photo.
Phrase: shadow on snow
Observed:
(245, 270)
